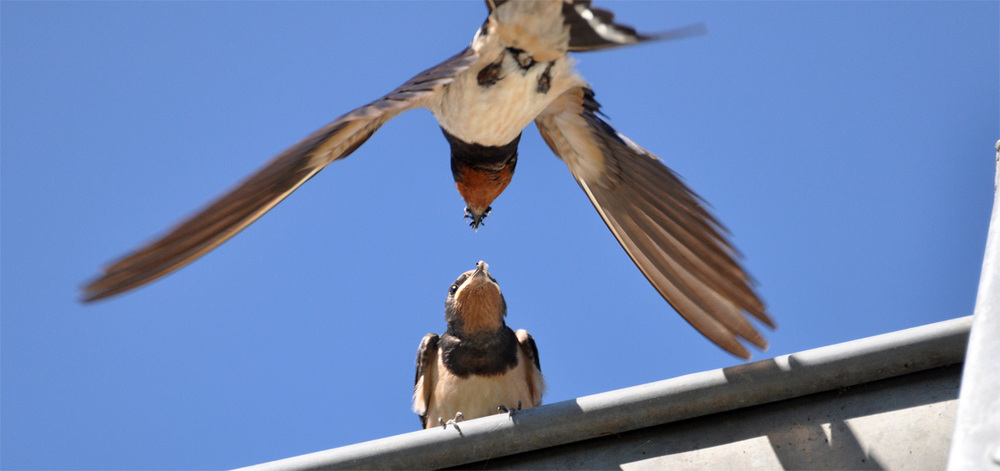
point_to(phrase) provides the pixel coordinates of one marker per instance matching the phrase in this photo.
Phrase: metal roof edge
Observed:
(784, 377)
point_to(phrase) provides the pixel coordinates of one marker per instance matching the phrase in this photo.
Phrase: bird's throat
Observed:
(481, 172)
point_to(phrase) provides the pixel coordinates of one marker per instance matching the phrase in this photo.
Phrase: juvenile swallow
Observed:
(479, 366)
(517, 70)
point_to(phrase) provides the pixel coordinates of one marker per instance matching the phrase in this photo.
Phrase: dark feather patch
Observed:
(545, 80)
(532, 349)
(490, 75)
(484, 354)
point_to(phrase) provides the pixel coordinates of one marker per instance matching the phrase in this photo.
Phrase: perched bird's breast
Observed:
(479, 395)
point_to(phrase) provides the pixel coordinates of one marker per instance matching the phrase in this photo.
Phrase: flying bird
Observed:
(516, 70)
(479, 366)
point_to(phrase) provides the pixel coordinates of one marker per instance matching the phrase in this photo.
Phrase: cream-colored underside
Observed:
(495, 115)
(476, 396)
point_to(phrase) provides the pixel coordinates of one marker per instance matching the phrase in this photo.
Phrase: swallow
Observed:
(479, 366)
(516, 70)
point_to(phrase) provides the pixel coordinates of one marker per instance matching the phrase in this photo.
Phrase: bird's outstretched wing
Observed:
(249, 200)
(659, 221)
(423, 384)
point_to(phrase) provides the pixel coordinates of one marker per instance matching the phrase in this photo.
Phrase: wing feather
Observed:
(663, 225)
(536, 383)
(253, 197)
(423, 384)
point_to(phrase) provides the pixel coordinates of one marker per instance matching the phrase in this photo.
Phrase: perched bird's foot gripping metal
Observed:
(510, 412)
(453, 422)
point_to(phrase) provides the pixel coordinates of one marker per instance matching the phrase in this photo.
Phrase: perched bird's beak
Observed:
(479, 290)
(480, 277)
(482, 270)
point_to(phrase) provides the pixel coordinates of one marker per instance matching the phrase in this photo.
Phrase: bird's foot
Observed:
(474, 220)
(453, 422)
(510, 412)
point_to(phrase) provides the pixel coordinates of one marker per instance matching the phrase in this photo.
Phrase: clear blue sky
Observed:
(848, 146)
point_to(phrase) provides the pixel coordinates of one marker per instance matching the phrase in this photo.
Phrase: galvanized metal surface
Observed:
(766, 381)
(898, 423)
(977, 429)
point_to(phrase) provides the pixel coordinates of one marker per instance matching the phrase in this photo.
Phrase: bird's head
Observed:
(475, 303)
(481, 173)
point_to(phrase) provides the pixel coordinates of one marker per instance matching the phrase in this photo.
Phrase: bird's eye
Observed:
(453, 288)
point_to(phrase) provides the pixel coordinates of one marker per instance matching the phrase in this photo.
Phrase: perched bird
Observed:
(517, 70)
(479, 366)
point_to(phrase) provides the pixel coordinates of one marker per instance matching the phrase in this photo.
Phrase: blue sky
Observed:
(848, 146)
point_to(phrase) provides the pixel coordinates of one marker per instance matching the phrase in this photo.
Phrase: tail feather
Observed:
(594, 29)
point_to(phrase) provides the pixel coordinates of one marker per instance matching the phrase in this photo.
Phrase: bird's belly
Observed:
(495, 114)
(478, 396)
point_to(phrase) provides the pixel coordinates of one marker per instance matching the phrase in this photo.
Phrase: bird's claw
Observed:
(475, 221)
(510, 412)
(453, 422)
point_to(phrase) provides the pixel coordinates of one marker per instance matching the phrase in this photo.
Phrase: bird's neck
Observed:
(475, 322)
(481, 172)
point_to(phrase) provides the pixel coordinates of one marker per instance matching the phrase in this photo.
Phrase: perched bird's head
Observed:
(481, 173)
(475, 303)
